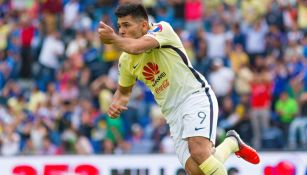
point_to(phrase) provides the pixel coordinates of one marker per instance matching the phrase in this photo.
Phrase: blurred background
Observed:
(57, 79)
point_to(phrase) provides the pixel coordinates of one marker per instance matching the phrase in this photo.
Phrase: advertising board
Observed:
(158, 164)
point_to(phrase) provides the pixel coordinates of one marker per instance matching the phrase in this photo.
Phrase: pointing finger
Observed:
(102, 24)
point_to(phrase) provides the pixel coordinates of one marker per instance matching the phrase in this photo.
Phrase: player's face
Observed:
(131, 27)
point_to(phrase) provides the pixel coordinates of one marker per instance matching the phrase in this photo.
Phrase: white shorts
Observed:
(196, 116)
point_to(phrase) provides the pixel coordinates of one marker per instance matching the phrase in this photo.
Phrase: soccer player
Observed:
(154, 54)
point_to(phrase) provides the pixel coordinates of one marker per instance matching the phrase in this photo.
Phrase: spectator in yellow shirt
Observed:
(302, 14)
(253, 9)
(238, 58)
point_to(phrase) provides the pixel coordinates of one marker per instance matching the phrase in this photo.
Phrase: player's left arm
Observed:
(128, 45)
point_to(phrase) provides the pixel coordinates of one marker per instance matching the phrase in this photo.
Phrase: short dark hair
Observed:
(135, 10)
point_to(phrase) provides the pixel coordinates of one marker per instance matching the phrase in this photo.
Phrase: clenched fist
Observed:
(115, 110)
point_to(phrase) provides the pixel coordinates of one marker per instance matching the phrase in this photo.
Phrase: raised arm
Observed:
(128, 45)
(120, 101)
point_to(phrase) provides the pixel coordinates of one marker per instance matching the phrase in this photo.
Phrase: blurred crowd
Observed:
(57, 79)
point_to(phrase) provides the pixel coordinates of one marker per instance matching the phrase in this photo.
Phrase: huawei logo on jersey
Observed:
(158, 80)
(150, 70)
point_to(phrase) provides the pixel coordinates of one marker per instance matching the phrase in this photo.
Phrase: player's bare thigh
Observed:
(192, 168)
(200, 149)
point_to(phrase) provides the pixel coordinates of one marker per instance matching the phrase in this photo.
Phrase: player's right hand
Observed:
(115, 110)
(106, 33)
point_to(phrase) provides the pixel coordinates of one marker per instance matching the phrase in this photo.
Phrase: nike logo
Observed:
(134, 66)
(196, 129)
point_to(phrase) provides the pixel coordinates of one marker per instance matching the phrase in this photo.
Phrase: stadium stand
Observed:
(57, 79)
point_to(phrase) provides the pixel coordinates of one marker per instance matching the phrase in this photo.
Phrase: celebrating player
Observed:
(154, 54)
